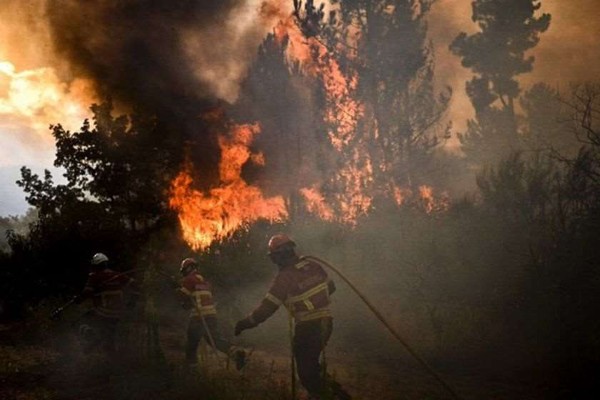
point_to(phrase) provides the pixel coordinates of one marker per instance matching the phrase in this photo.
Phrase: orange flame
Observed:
(214, 216)
(432, 204)
(349, 133)
(342, 115)
(315, 203)
(37, 98)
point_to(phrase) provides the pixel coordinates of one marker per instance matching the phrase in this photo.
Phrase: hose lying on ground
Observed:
(387, 325)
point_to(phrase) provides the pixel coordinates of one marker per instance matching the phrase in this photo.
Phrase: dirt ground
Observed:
(50, 365)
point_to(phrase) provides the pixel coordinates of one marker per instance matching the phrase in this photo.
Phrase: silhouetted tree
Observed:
(115, 196)
(496, 54)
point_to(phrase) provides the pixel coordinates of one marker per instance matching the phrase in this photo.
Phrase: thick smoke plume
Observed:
(175, 60)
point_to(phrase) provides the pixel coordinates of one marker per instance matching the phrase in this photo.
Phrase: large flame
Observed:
(214, 216)
(234, 204)
(37, 98)
(342, 115)
(351, 133)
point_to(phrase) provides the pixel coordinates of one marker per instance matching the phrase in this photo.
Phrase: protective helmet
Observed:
(99, 258)
(280, 242)
(187, 265)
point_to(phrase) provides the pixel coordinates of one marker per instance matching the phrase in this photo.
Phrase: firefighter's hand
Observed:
(242, 325)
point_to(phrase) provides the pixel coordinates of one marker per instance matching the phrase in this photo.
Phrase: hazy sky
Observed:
(35, 84)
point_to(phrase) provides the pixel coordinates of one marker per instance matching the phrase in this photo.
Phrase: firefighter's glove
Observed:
(243, 324)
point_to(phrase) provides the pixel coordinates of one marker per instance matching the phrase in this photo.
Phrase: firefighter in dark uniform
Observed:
(111, 292)
(196, 294)
(304, 288)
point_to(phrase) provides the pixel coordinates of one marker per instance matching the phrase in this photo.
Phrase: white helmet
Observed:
(99, 258)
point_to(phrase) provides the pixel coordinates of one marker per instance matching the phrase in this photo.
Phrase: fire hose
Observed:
(382, 319)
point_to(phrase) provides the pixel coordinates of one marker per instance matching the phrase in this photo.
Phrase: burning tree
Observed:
(355, 118)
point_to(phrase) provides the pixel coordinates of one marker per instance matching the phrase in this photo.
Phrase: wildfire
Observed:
(216, 215)
(425, 199)
(37, 97)
(342, 116)
(349, 133)
(316, 204)
(206, 217)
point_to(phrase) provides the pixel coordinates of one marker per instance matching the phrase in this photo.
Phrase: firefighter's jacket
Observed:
(198, 290)
(303, 288)
(108, 290)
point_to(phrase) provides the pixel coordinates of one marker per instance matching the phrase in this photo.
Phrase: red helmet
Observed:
(280, 242)
(187, 265)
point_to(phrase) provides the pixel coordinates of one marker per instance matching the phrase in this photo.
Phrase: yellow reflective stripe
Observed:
(273, 299)
(310, 315)
(302, 264)
(185, 291)
(309, 305)
(203, 293)
(308, 294)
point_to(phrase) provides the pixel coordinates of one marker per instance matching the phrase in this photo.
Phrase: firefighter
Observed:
(304, 288)
(111, 293)
(196, 294)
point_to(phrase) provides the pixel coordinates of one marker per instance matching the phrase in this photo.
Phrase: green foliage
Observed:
(115, 196)
(15, 225)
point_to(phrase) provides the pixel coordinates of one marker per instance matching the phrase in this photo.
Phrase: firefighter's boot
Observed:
(240, 357)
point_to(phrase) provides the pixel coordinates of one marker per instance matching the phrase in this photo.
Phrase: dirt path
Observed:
(40, 371)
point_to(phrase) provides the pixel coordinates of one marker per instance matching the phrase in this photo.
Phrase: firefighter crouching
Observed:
(111, 293)
(196, 294)
(304, 288)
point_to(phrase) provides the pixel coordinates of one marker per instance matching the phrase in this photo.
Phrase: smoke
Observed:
(158, 54)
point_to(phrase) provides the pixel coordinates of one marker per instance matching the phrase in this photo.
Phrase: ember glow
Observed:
(234, 204)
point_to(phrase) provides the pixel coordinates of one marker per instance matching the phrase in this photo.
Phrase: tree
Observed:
(496, 54)
(547, 123)
(292, 139)
(376, 96)
(117, 175)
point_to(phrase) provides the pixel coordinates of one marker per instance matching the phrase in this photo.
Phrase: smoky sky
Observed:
(135, 52)
(132, 49)
(174, 58)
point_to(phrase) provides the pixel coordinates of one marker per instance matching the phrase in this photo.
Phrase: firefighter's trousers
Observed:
(310, 339)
